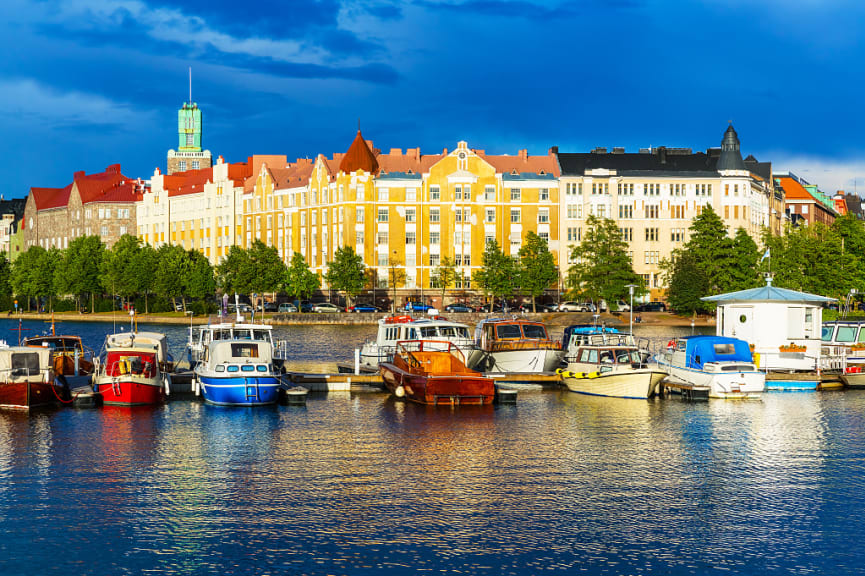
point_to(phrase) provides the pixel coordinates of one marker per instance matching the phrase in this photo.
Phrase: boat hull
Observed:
(640, 384)
(853, 379)
(525, 361)
(725, 385)
(129, 391)
(240, 390)
(450, 389)
(27, 395)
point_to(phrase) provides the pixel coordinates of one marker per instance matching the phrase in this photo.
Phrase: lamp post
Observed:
(631, 308)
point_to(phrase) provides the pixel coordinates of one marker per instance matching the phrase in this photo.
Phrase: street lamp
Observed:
(630, 288)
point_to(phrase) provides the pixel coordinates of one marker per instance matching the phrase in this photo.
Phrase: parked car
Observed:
(417, 307)
(572, 306)
(458, 308)
(622, 306)
(651, 307)
(364, 308)
(287, 308)
(268, 307)
(553, 307)
(326, 307)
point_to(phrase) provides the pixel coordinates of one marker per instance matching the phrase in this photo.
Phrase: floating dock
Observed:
(371, 381)
(689, 392)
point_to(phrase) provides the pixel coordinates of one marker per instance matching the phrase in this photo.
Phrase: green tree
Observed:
(711, 249)
(6, 300)
(603, 268)
(198, 280)
(169, 274)
(538, 268)
(27, 274)
(744, 259)
(234, 273)
(687, 283)
(78, 271)
(496, 277)
(268, 269)
(300, 281)
(346, 273)
(119, 272)
(144, 264)
(445, 275)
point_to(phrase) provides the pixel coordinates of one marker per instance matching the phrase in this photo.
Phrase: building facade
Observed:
(805, 203)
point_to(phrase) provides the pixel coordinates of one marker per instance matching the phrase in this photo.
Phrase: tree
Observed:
(169, 273)
(744, 259)
(233, 274)
(496, 275)
(538, 268)
(26, 271)
(198, 281)
(445, 274)
(687, 283)
(300, 281)
(346, 273)
(145, 263)
(603, 268)
(711, 249)
(119, 273)
(5, 283)
(267, 272)
(78, 270)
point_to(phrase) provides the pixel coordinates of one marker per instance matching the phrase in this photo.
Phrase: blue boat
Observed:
(238, 373)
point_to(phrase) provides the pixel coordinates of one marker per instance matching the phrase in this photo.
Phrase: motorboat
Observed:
(434, 372)
(27, 379)
(71, 360)
(393, 329)
(847, 338)
(238, 372)
(201, 338)
(722, 363)
(609, 364)
(514, 345)
(133, 369)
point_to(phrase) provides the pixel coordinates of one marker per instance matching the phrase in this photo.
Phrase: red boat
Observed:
(27, 379)
(434, 372)
(130, 370)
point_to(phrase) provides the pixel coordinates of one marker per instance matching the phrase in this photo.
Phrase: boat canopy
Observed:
(584, 330)
(700, 350)
(25, 361)
(240, 351)
(147, 340)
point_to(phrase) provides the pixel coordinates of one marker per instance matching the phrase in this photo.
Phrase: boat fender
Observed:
(592, 375)
(399, 391)
(561, 372)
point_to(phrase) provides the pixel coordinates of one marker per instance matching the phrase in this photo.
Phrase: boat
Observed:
(133, 369)
(514, 345)
(722, 363)
(847, 338)
(610, 364)
(201, 338)
(238, 372)
(27, 379)
(404, 327)
(434, 372)
(71, 360)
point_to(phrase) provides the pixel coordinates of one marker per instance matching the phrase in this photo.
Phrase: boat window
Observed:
(248, 368)
(606, 357)
(623, 357)
(261, 335)
(535, 331)
(681, 344)
(428, 332)
(508, 331)
(826, 334)
(233, 368)
(462, 332)
(411, 334)
(261, 368)
(447, 332)
(25, 363)
(220, 368)
(861, 336)
(244, 350)
(589, 356)
(846, 334)
(243, 334)
(724, 348)
(635, 357)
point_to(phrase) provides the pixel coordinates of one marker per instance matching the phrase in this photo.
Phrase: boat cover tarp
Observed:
(702, 349)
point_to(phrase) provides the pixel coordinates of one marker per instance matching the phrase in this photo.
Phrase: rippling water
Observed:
(361, 484)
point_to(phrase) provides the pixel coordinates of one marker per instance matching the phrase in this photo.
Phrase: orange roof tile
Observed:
(189, 182)
(48, 198)
(793, 190)
(522, 163)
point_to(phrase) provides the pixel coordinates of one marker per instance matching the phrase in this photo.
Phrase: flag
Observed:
(766, 255)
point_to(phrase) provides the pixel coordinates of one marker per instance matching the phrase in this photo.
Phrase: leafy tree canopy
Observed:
(603, 268)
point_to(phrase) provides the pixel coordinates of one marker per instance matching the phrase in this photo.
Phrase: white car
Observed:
(572, 306)
(622, 306)
(286, 308)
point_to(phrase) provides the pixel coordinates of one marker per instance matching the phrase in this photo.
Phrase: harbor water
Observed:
(358, 483)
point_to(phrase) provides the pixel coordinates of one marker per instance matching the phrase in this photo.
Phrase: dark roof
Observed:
(631, 164)
(731, 157)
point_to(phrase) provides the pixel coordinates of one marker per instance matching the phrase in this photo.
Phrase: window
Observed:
(627, 234)
(382, 214)
(458, 192)
(411, 194)
(515, 194)
(651, 257)
(601, 210)
(182, 165)
(545, 236)
(489, 193)
(626, 211)
(677, 211)
(490, 215)
(410, 237)
(382, 259)
(195, 163)
(543, 215)
(434, 215)
(358, 237)
(544, 194)
(677, 235)
(434, 193)
(433, 259)
(652, 189)
(410, 259)
(652, 234)
(458, 215)
(573, 211)
(467, 192)
(651, 211)
(574, 234)
(382, 194)
(434, 238)
(626, 189)
(382, 237)
(515, 215)
(409, 214)
(358, 215)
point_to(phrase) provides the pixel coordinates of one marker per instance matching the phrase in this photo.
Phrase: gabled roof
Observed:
(48, 198)
(768, 293)
(293, 176)
(359, 157)
(188, 182)
(522, 163)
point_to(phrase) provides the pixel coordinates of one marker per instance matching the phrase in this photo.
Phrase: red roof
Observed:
(48, 198)
(189, 182)
(793, 190)
(522, 163)
(359, 157)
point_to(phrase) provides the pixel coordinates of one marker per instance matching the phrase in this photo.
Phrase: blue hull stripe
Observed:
(240, 391)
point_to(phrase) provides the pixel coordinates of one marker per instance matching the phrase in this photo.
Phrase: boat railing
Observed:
(505, 345)
(128, 368)
(280, 349)
(15, 374)
(407, 348)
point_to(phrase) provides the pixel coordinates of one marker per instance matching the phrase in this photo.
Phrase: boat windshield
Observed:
(627, 356)
(243, 334)
(846, 334)
(534, 331)
(428, 332)
(25, 363)
(505, 331)
(262, 335)
(244, 350)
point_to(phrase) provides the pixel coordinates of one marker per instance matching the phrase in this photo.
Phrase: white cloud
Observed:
(830, 175)
(26, 100)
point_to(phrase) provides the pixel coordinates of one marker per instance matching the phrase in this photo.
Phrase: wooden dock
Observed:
(689, 392)
(371, 381)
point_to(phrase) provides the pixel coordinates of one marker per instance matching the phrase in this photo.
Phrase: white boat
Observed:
(399, 328)
(238, 372)
(133, 369)
(514, 345)
(723, 364)
(610, 364)
(847, 338)
(200, 339)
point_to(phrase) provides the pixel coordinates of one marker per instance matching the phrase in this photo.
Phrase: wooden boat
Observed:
(434, 372)
(610, 364)
(403, 327)
(70, 359)
(514, 345)
(27, 379)
(133, 369)
(723, 364)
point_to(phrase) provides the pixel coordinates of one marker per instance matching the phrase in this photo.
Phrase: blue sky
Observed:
(88, 83)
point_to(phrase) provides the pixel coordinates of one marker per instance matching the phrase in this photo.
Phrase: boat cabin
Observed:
(153, 341)
(397, 328)
(843, 333)
(132, 361)
(702, 350)
(495, 334)
(578, 334)
(19, 363)
(241, 357)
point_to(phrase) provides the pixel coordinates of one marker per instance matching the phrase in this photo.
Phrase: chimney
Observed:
(396, 151)
(445, 152)
(220, 160)
(79, 174)
(480, 152)
(524, 155)
(662, 154)
(113, 169)
(553, 151)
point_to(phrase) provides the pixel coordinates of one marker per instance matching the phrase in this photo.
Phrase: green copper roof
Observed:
(767, 293)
